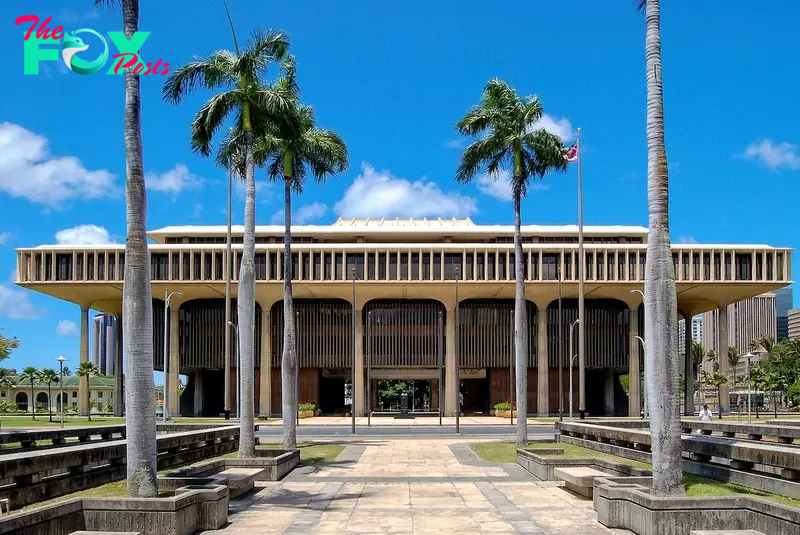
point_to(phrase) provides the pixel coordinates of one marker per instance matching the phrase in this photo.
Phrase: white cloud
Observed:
(83, 235)
(197, 211)
(29, 171)
(15, 304)
(499, 185)
(4, 237)
(687, 239)
(302, 215)
(774, 156)
(380, 194)
(67, 328)
(560, 127)
(459, 143)
(173, 181)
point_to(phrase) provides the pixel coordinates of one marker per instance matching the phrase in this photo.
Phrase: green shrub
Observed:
(7, 407)
(307, 406)
(503, 406)
(794, 393)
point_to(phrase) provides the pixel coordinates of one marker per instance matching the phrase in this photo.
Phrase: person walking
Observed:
(705, 415)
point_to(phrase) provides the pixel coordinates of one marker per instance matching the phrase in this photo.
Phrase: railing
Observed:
(331, 263)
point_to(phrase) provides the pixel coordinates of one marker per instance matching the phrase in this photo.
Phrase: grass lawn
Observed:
(697, 486)
(70, 421)
(506, 452)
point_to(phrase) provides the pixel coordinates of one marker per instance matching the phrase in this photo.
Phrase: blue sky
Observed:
(392, 78)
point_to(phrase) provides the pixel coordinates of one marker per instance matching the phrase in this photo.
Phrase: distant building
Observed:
(747, 320)
(794, 324)
(783, 303)
(104, 343)
(697, 331)
(101, 393)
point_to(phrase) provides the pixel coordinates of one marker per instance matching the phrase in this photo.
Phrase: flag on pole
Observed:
(571, 153)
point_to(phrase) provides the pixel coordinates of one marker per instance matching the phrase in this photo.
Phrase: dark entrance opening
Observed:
(332, 385)
(475, 395)
(390, 395)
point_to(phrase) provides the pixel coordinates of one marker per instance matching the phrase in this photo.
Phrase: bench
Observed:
(238, 480)
(579, 479)
(87, 532)
(784, 434)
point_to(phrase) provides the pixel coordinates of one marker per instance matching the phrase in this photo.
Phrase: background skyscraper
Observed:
(783, 303)
(105, 342)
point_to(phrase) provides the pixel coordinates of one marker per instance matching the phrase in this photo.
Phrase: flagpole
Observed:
(581, 277)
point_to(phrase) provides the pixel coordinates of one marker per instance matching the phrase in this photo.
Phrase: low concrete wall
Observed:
(34, 476)
(543, 467)
(191, 510)
(625, 503)
(275, 464)
(57, 437)
(784, 434)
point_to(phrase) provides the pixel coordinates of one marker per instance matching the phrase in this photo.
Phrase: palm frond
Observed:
(210, 73)
(640, 5)
(263, 48)
(325, 152)
(476, 155)
(209, 118)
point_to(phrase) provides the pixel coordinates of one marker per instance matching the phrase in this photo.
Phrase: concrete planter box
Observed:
(544, 467)
(626, 503)
(191, 510)
(306, 414)
(505, 414)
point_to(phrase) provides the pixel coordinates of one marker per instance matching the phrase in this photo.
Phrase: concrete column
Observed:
(83, 384)
(119, 384)
(96, 342)
(722, 355)
(265, 371)
(634, 371)
(542, 367)
(198, 393)
(450, 379)
(359, 388)
(608, 392)
(688, 371)
(173, 383)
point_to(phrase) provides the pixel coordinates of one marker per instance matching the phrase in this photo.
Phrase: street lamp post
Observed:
(61, 360)
(167, 297)
(560, 353)
(571, 359)
(642, 388)
(458, 370)
(353, 375)
(238, 371)
(228, 272)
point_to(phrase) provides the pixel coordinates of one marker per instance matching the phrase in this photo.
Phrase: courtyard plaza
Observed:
(414, 487)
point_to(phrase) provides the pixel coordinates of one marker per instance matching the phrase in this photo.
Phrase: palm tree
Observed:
(662, 361)
(717, 380)
(699, 355)
(32, 375)
(290, 150)
(67, 372)
(89, 370)
(137, 302)
(48, 377)
(253, 104)
(504, 125)
(5, 381)
(734, 356)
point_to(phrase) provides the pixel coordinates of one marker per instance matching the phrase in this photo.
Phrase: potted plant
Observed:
(306, 410)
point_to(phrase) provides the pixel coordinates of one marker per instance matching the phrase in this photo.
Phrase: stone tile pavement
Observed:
(411, 487)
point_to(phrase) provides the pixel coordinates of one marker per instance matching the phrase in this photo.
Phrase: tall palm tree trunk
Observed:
(33, 403)
(289, 357)
(137, 304)
(49, 402)
(520, 322)
(661, 310)
(89, 399)
(247, 299)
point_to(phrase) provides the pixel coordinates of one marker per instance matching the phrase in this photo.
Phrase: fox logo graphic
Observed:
(74, 44)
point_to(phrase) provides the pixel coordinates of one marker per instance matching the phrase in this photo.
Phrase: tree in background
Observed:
(503, 126)
(48, 377)
(89, 370)
(7, 346)
(67, 372)
(734, 356)
(31, 375)
(6, 382)
(717, 380)
(699, 355)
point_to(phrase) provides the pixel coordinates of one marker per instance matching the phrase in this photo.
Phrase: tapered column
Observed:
(83, 383)
(688, 368)
(634, 370)
(173, 383)
(359, 388)
(119, 382)
(450, 379)
(265, 371)
(608, 392)
(722, 355)
(542, 367)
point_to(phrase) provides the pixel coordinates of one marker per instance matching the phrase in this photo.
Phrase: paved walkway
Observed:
(411, 487)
